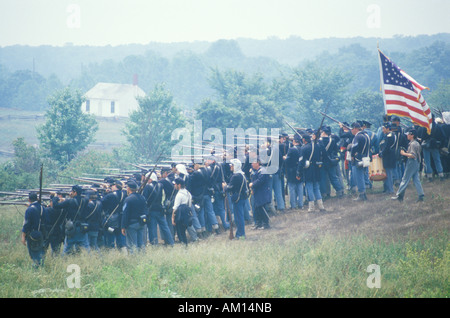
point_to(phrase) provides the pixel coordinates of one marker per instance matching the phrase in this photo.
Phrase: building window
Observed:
(113, 107)
(88, 106)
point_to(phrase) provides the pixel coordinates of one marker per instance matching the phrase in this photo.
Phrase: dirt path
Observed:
(379, 217)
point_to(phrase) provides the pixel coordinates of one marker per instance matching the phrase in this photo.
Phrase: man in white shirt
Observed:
(182, 205)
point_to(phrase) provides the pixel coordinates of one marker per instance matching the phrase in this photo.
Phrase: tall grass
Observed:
(268, 267)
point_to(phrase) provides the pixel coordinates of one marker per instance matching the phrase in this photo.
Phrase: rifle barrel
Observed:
(335, 120)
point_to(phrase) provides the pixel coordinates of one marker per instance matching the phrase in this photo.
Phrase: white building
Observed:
(112, 100)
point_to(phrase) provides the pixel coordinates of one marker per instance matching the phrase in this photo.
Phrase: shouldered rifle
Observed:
(40, 184)
(231, 236)
(147, 176)
(295, 130)
(335, 120)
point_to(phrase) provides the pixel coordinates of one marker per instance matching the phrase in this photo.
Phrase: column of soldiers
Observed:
(203, 200)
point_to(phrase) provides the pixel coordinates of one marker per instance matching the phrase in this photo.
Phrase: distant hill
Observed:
(68, 61)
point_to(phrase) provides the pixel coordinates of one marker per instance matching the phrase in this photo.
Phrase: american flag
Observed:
(402, 94)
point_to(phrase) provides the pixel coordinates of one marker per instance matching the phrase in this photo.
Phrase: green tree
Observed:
(440, 97)
(150, 127)
(366, 105)
(67, 130)
(317, 89)
(23, 171)
(242, 101)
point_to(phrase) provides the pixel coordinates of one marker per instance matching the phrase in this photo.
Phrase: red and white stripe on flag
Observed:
(402, 94)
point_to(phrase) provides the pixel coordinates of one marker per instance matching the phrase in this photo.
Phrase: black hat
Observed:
(132, 184)
(91, 194)
(356, 125)
(307, 138)
(179, 181)
(366, 123)
(327, 130)
(109, 180)
(395, 118)
(77, 189)
(32, 196)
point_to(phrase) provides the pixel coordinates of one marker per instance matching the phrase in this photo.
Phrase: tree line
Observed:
(236, 98)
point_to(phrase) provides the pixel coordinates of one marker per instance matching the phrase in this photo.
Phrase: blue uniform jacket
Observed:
(133, 207)
(360, 146)
(153, 193)
(262, 191)
(76, 207)
(291, 163)
(316, 157)
(33, 216)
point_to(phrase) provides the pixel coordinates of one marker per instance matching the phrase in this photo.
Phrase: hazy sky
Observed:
(114, 22)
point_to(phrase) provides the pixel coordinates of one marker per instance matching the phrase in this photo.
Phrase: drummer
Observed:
(387, 153)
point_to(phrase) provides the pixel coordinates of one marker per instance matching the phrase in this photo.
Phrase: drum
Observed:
(376, 169)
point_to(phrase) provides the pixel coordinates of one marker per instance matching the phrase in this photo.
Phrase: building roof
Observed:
(113, 91)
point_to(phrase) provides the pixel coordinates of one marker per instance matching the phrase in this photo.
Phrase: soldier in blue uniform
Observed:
(199, 182)
(295, 186)
(330, 170)
(216, 179)
(112, 206)
(153, 194)
(237, 187)
(75, 226)
(262, 194)
(359, 150)
(311, 159)
(55, 231)
(93, 218)
(32, 230)
(387, 153)
(134, 218)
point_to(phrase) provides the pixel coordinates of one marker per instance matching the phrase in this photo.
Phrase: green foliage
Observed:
(25, 89)
(149, 128)
(317, 89)
(26, 158)
(23, 171)
(242, 101)
(366, 105)
(91, 162)
(440, 97)
(67, 130)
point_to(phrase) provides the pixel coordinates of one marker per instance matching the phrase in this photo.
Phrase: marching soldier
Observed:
(387, 153)
(262, 192)
(330, 169)
(217, 178)
(295, 186)
(32, 230)
(359, 150)
(134, 218)
(112, 206)
(237, 187)
(93, 218)
(76, 227)
(55, 234)
(153, 194)
(308, 171)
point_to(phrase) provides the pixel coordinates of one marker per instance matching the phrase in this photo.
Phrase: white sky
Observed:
(114, 22)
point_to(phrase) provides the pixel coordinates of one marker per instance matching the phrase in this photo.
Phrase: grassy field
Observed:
(15, 124)
(303, 255)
